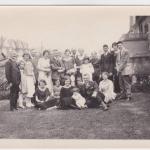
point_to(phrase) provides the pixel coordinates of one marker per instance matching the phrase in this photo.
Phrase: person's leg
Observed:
(50, 103)
(20, 100)
(12, 98)
(127, 83)
(14, 90)
(122, 87)
(100, 98)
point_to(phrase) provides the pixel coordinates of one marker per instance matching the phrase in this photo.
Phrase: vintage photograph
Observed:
(74, 72)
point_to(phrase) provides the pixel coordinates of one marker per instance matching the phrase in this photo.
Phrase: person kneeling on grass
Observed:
(43, 98)
(94, 98)
(79, 100)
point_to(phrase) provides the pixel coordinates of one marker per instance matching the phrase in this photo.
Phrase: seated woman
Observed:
(43, 98)
(66, 93)
(107, 88)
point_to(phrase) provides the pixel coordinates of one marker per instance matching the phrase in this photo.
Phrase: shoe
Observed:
(105, 109)
(128, 99)
(22, 107)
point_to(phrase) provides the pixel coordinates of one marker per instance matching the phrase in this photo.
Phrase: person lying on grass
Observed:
(43, 98)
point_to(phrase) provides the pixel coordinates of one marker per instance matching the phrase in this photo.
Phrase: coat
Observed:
(123, 64)
(12, 72)
(55, 65)
(106, 63)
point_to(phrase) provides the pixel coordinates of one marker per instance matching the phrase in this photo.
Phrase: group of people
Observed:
(69, 81)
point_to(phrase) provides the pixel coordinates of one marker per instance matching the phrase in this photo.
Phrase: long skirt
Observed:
(30, 86)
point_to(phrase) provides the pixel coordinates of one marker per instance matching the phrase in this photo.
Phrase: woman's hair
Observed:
(45, 51)
(67, 77)
(67, 50)
(43, 81)
(56, 81)
(105, 73)
(26, 53)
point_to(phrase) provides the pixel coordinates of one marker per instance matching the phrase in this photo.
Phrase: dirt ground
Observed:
(124, 120)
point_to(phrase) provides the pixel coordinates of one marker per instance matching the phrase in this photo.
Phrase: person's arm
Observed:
(111, 64)
(92, 68)
(100, 88)
(40, 67)
(8, 72)
(37, 100)
(95, 89)
(124, 61)
(48, 94)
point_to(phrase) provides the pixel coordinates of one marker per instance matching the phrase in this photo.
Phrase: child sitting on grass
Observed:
(107, 88)
(79, 100)
(57, 88)
(43, 98)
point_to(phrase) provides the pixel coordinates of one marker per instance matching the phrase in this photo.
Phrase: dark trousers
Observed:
(125, 85)
(44, 105)
(116, 83)
(95, 102)
(14, 93)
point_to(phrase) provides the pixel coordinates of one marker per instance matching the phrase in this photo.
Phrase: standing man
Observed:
(114, 52)
(124, 69)
(106, 62)
(13, 77)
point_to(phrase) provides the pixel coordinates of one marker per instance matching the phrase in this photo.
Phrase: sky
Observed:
(61, 27)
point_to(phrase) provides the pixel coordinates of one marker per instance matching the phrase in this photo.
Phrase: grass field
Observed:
(124, 120)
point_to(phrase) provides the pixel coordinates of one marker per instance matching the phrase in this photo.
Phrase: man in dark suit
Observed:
(106, 62)
(13, 77)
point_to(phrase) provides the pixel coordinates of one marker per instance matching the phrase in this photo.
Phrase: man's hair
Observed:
(119, 42)
(105, 45)
(114, 44)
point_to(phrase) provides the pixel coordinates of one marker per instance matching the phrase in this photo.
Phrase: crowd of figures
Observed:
(71, 81)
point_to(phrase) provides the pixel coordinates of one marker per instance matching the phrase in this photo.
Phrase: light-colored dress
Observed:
(87, 69)
(107, 88)
(30, 79)
(79, 100)
(43, 75)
